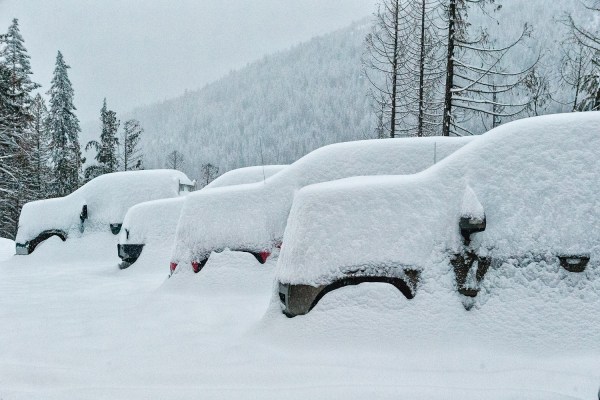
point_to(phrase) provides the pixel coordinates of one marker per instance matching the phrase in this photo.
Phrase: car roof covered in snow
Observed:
(245, 175)
(253, 215)
(107, 198)
(537, 180)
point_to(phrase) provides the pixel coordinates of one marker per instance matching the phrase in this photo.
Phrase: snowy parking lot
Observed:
(75, 326)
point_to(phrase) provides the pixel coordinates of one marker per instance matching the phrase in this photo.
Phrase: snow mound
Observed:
(252, 217)
(536, 182)
(471, 207)
(245, 175)
(107, 198)
(7, 249)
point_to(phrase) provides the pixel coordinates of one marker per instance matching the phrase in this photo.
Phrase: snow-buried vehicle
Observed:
(252, 217)
(97, 206)
(521, 200)
(154, 222)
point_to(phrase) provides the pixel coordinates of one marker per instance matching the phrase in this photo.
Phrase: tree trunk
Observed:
(449, 68)
(422, 73)
(394, 71)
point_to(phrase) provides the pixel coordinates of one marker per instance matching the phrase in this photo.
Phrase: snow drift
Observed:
(252, 217)
(7, 249)
(107, 198)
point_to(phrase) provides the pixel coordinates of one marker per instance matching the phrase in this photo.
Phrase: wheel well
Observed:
(44, 236)
(406, 288)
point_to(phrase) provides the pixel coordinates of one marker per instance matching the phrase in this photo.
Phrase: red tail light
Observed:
(263, 256)
(173, 266)
(196, 266)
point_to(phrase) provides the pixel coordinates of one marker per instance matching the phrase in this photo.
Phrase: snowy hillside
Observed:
(295, 101)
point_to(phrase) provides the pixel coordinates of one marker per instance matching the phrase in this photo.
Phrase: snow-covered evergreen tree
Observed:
(107, 148)
(41, 173)
(12, 174)
(131, 153)
(64, 129)
(16, 59)
(17, 120)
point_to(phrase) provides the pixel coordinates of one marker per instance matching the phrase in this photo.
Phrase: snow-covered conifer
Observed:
(64, 129)
(41, 174)
(107, 148)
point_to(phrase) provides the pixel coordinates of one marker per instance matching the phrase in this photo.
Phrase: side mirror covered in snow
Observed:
(468, 226)
(472, 215)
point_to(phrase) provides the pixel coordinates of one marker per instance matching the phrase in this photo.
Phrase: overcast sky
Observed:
(137, 52)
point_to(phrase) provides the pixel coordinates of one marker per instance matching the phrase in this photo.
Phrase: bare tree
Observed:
(209, 173)
(576, 64)
(131, 156)
(422, 69)
(475, 76)
(381, 62)
(175, 160)
(585, 66)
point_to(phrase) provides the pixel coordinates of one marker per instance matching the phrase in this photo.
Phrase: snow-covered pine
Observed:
(40, 151)
(9, 148)
(131, 156)
(17, 125)
(64, 130)
(107, 148)
(16, 59)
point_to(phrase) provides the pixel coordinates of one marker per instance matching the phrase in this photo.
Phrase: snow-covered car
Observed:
(251, 218)
(155, 222)
(521, 199)
(97, 206)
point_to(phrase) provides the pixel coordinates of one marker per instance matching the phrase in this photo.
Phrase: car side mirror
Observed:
(84, 213)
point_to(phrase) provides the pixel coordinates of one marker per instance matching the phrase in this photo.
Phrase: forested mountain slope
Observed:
(292, 102)
(277, 109)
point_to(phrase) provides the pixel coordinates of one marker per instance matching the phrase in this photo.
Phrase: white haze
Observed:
(137, 52)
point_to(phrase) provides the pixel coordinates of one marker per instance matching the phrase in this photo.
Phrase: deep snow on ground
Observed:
(7, 248)
(74, 326)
